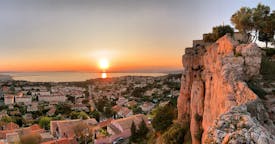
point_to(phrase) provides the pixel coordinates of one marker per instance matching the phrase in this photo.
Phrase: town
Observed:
(93, 111)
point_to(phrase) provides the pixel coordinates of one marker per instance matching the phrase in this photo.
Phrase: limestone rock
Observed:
(213, 86)
(245, 129)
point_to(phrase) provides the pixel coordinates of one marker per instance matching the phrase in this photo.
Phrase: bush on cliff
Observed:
(218, 32)
(164, 118)
(175, 134)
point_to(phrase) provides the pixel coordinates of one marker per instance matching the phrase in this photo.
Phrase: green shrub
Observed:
(163, 118)
(174, 135)
(269, 52)
(44, 122)
(217, 32)
(268, 69)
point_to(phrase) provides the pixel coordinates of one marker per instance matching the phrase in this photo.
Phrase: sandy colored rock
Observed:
(213, 82)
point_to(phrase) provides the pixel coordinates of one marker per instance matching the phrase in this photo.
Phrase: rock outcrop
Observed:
(213, 88)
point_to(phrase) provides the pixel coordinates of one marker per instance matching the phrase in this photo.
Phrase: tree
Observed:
(63, 108)
(218, 32)
(243, 21)
(82, 133)
(140, 133)
(260, 14)
(142, 129)
(83, 115)
(71, 98)
(133, 137)
(272, 15)
(95, 114)
(19, 120)
(163, 118)
(74, 115)
(257, 20)
(44, 122)
(108, 112)
(266, 32)
(6, 119)
(266, 37)
(137, 110)
(12, 89)
(101, 103)
(85, 101)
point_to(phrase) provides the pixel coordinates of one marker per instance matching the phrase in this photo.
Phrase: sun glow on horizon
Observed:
(104, 64)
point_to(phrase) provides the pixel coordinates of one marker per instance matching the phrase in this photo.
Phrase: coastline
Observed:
(67, 76)
(5, 77)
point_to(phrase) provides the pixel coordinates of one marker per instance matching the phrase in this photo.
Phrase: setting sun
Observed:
(103, 64)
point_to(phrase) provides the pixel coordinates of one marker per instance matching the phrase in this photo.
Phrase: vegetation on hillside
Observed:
(138, 134)
(164, 118)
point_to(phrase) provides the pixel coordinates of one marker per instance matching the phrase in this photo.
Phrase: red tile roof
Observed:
(62, 141)
(11, 126)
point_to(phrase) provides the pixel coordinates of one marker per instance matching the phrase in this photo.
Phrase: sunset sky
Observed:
(134, 35)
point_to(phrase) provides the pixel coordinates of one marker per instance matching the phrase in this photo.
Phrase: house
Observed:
(131, 103)
(238, 36)
(121, 101)
(147, 106)
(46, 137)
(52, 98)
(23, 99)
(164, 103)
(65, 128)
(116, 108)
(124, 112)
(28, 117)
(121, 128)
(17, 88)
(33, 107)
(8, 99)
(124, 124)
(80, 107)
(10, 126)
(61, 141)
(51, 112)
(8, 131)
(12, 137)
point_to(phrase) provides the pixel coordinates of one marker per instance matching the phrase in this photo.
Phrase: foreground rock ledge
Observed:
(213, 90)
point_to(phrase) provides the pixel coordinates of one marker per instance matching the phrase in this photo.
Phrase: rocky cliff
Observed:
(215, 99)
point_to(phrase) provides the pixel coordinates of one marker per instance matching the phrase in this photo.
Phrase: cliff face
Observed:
(213, 84)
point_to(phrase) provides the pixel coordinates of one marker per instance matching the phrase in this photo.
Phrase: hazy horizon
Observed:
(67, 35)
(98, 71)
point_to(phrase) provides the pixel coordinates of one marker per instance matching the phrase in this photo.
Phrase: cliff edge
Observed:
(215, 98)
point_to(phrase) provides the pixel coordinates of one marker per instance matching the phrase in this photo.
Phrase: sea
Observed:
(69, 76)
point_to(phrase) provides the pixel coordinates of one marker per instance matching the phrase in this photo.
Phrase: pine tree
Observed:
(143, 129)
(133, 133)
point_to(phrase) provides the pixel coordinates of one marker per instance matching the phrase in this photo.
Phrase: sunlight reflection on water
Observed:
(104, 75)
